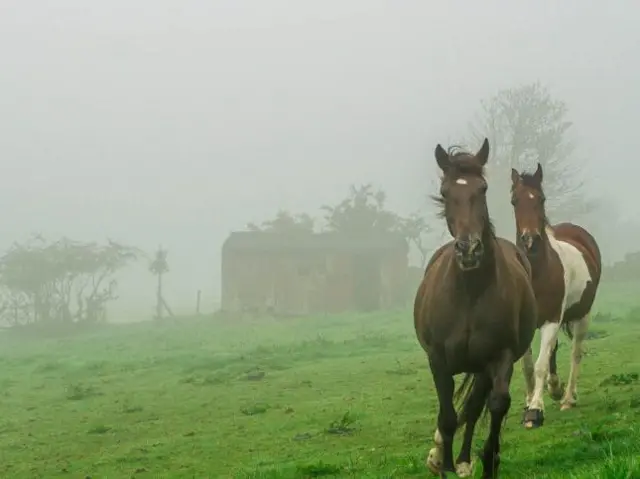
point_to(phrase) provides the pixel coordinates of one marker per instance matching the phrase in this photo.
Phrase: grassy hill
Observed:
(347, 396)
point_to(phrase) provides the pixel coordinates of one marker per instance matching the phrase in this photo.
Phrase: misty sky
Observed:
(172, 122)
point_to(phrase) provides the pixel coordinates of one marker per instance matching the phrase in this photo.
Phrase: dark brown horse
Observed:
(474, 313)
(566, 264)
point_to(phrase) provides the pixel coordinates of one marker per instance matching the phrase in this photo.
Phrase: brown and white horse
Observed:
(566, 264)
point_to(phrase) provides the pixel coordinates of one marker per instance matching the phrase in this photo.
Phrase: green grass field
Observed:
(346, 396)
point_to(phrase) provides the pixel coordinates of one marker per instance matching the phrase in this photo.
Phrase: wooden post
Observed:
(159, 299)
(198, 302)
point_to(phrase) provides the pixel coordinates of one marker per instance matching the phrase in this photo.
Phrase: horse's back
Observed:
(583, 241)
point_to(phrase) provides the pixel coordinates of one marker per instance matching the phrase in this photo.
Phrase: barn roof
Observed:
(261, 241)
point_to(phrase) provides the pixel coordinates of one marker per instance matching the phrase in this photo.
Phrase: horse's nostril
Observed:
(461, 246)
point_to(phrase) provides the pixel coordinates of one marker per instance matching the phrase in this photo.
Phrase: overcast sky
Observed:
(156, 121)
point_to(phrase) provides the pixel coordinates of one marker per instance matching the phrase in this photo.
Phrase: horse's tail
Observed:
(461, 397)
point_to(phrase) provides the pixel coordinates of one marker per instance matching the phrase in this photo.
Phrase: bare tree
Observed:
(526, 125)
(418, 232)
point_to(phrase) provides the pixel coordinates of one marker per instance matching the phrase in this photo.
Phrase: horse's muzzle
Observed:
(530, 243)
(469, 251)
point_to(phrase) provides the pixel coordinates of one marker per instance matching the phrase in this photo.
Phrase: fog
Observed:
(175, 123)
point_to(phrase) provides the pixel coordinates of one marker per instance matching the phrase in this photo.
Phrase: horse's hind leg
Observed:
(440, 459)
(580, 329)
(553, 381)
(470, 414)
(498, 404)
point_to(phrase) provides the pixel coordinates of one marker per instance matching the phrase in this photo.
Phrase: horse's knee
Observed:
(447, 426)
(499, 402)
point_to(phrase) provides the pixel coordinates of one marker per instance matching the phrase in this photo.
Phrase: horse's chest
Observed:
(549, 290)
(471, 339)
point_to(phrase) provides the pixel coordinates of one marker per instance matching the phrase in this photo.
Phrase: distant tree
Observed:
(417, 231)
(65, 280)
(526, 125)
(286, 222)
(362, 211)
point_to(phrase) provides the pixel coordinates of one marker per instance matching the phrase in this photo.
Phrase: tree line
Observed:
(525, 125)
(362, 212)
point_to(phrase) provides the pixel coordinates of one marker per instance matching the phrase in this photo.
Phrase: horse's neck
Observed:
(541, 262)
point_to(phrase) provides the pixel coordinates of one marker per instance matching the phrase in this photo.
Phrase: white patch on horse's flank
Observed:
(576, 272)
(461, 181)
(532, 196)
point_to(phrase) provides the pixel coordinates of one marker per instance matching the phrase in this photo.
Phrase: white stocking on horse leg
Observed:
(434, 460)
(548, 336)
(580, 329)
(527, 371)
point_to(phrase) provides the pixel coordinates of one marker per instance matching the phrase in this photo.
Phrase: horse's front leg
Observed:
(528, 373)
(534, 416)
(498, 404)
(440, 459)
(472, 409)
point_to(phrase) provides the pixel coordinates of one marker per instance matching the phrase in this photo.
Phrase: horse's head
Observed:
(528, 199)
(464, 202)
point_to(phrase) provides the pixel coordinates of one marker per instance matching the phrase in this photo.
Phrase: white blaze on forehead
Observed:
(531, 195)
(461, 181)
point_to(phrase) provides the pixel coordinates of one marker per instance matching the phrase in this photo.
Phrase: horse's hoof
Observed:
(565, 406)
(555, 388)
(464, 469)
(533, 418)
(556, 393)
(434, 461)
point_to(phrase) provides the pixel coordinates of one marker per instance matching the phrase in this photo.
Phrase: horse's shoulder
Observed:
(437, 255)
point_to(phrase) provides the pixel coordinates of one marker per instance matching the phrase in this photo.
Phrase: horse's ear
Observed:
(538, 174)
(442, 157)
(515, 176)
(483, 153)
